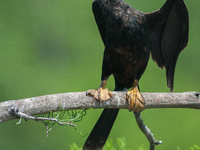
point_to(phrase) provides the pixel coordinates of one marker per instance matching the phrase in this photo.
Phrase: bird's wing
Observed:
(168, 35)
(99, 18)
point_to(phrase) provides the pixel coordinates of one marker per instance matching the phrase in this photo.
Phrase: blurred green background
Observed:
(50, 47)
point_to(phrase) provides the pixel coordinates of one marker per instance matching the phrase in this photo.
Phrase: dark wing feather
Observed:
(99, 18)
(168, 34)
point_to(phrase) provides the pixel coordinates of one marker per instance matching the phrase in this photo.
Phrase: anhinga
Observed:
(129, 36)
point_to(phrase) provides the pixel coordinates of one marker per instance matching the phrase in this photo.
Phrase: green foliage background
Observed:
(50, 47)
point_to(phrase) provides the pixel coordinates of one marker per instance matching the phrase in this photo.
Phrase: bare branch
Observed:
(146, 131)
(15, 112)
(79, 100)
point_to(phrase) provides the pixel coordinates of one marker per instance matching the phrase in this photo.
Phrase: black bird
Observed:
(129, 36)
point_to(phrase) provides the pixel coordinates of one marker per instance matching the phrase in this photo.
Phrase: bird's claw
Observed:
(100, 94)
(135, 100)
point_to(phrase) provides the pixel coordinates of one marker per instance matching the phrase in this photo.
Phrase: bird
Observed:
(130, 37)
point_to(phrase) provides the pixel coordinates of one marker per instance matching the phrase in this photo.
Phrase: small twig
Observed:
(47, 130)
(15, 112)
(146, 131)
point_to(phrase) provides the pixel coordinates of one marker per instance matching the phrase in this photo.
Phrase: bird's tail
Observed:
(97, 138)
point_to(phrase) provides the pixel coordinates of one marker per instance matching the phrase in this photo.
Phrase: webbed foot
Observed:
(100, 94)
(135, 99)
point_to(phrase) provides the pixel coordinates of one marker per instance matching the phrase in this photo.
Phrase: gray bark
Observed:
(79, 100)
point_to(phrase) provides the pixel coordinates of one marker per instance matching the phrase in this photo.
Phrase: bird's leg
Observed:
(135, 99)
(101, 93)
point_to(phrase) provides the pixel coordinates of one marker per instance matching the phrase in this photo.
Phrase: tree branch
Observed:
(146, 131)
(79, 100)
(15, 112)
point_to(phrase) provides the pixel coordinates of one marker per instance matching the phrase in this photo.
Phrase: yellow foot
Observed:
(135, 100)
(100, 94)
